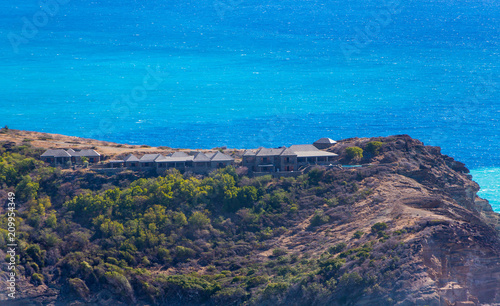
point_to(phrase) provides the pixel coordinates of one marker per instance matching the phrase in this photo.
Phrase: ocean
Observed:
(246, 74)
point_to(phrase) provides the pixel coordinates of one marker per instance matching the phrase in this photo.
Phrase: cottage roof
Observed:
(249, 153)
(201, 157)
(131, 158)
(173, 159)
(87, 153)
(147, 158)
(219, 156)
(115, 161)
(161, 158)
(178, 154)
(288, 152)
(72, 152)
(270, 152)
(55, 153)
(303, 148)
(210, 154)
(310, 151)
(325, 140)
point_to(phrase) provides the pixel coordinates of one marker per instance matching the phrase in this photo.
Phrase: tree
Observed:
(27, 189)
(354, 152)
(198, 220)
(85, 161)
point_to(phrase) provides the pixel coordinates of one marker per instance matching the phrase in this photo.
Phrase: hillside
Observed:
(405, 229)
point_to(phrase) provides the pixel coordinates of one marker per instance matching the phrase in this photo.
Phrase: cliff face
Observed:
(456, 251)
(407, 228)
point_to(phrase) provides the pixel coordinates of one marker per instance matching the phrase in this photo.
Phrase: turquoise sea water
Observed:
(252, 73)
(489, 180)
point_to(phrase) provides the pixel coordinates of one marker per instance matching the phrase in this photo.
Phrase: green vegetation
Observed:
(378, 227)
(373, 147)
(354, 152)
(319, 218)
(87, 232)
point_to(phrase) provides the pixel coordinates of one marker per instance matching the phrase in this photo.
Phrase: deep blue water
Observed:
(252, 73)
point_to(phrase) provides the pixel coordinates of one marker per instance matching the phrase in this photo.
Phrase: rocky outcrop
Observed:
(458, 258)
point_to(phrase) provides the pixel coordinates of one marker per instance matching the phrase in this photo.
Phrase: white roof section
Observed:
(310, 151)
(325, 140)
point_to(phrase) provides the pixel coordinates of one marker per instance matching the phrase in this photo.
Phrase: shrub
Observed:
(279, 252)
(315, 175)
(332, 202)
(256, 281)
(34, 266)
(351, 280)
(354, 152)
(319, 218)
(120, 283)
(358, 234)
(230, 296)
(378, 227)
(179, 219)
(145, 261)
(37, 279)
(331, 267)
(274, 289)
(339, 247)
(79, 287)
(183, 252)
(199, 220)
(189, 283)
(163, 255)
(373, 147)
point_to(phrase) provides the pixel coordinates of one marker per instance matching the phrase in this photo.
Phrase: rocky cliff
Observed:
(455, 257)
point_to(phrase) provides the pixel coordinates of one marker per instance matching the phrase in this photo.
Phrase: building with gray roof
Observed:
(131, 161)
(147, 161)
(62, 157)
(285, 159)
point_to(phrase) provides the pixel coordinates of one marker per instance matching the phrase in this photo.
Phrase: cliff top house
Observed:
(60, 156)
(285, 159)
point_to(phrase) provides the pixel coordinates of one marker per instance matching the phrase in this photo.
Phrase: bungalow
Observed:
(309, 154)
(285, 159)
(62, 157)
(56, 157)
(131, 161)
(148, 161)
(91, 155)
(270, 160)
(219, 160)
(177, 160)
(199, 163)
(116, 164)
